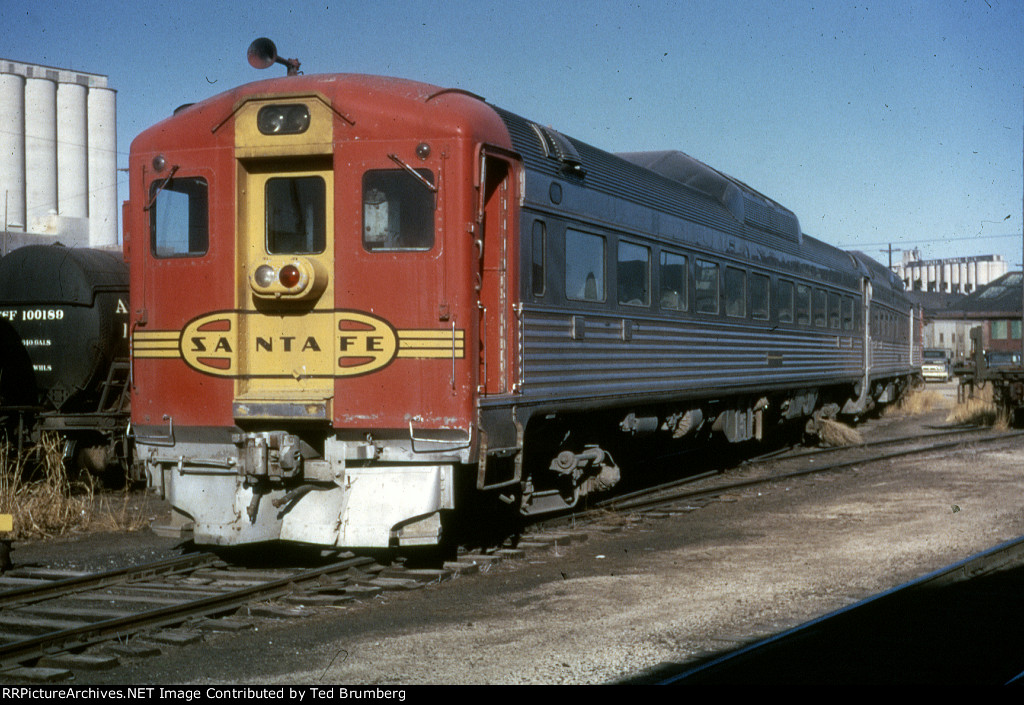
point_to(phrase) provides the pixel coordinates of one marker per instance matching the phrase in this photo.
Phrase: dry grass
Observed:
(979, 410)
(915, 403)
(837, 434)
(44, 503)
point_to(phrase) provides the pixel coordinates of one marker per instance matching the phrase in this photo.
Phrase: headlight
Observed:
(283, 119)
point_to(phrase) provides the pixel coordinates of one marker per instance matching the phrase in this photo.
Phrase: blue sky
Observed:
(874, 122)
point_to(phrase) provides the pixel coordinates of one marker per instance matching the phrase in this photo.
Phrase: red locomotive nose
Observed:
(289, 275)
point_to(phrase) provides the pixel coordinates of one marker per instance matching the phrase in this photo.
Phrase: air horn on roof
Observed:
(263, 54)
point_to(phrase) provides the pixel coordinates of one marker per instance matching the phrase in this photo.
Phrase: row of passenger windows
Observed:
(886, 325)
(743, 294)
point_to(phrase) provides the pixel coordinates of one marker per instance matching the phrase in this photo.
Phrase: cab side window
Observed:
(179, 222)
(398, 211)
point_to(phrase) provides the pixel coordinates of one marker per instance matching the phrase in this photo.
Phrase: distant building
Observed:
(58, 157)
(954, 275)
(996, 307)
(943, 329)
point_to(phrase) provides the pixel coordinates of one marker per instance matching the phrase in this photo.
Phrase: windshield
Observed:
(934, 354)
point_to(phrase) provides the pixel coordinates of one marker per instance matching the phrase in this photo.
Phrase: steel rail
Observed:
(871, 444)
(775, 455)
(56, 588)
(637, 501)
(16, 653)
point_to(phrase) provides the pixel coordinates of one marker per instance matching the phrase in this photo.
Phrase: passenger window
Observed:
(179, 217)
(398, 211)
(847, 313)
(634, 275)
(672, 281)
(584, 266)
(803, 305)
(785, 302)
(537, 274)
(759, 297)
(296, 214)
(833, 311)
(820, 302)
(706, 287)
(735, 292)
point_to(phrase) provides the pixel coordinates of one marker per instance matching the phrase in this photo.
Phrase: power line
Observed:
(885, 243)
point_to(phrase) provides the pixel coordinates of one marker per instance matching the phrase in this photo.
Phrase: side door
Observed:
(495, 248)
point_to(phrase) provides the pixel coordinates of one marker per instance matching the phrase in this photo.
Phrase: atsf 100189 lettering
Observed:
(357, 300)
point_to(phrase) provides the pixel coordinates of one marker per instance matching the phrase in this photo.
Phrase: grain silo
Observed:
(58, 157)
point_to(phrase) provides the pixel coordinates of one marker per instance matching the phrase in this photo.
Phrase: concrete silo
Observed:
(12, 149)
(58, 157)
(102, 167)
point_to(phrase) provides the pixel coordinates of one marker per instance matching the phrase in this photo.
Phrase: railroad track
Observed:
(960, 624)
(48, 619)
(56, 622)
(773, 468)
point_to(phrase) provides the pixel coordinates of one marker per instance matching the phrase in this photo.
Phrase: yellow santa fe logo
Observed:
(316, 344)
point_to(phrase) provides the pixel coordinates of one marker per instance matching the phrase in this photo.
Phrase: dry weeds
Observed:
(979, 410)
(837, 434)
(44, 503)
(915, 403)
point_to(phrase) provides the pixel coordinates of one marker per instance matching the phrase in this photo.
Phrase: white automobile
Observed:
(935, 366)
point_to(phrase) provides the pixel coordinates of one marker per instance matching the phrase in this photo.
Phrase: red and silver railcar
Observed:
(355, 297)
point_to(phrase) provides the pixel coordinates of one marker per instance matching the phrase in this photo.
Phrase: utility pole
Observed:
(897, 249)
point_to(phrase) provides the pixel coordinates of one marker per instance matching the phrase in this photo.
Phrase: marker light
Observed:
(290, 275)
(264, 275)
(281, 279)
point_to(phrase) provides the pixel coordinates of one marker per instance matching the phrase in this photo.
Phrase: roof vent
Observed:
(558, 147)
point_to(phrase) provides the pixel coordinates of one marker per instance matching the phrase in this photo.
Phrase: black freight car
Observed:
(64, 342)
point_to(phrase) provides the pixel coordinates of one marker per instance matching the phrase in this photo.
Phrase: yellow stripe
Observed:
(6, 522)
(425, 354)
(157, 335)
(427, 344)
(157, 353)
(156, 344)
(433, 334)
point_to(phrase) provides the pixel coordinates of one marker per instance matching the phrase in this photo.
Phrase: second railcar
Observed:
(355, 296)
(65, 350)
